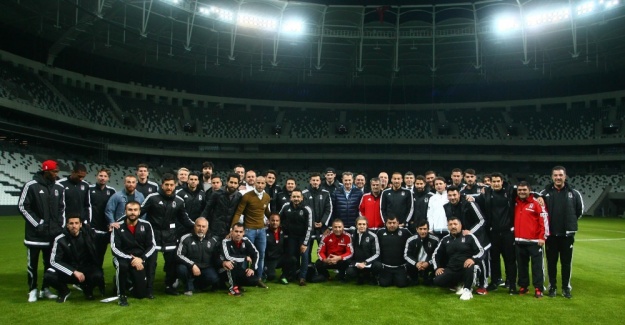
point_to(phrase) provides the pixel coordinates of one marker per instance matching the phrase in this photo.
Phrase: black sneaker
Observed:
(123, 301)
(171, 291)
(552, 292)
(63, 296)
(566, 293)
(512, 291)
(523, 290)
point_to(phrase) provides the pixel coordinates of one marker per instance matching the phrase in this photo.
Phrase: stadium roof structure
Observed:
(336, 42)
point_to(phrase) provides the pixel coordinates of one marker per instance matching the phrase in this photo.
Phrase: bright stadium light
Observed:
(540, 18)
(506, 24)
(293, 26)
(585, 8)
(253, 21)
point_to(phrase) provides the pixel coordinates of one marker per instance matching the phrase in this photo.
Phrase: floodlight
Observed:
(585, 8)
(293, 26)
(547, 17)
(253, 21)
(506, 24)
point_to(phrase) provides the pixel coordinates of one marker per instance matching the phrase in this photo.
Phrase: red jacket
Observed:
(370, 209)
(336, 245)
(531, 221)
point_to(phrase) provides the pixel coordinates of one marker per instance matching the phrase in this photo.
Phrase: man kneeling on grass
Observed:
(74, 260)
(239, 258)
(197, 258)
(456, 259)
(334, 253)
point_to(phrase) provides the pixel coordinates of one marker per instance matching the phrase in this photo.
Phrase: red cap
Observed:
(49, 165)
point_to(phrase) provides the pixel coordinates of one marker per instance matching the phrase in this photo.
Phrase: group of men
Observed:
(236, 232)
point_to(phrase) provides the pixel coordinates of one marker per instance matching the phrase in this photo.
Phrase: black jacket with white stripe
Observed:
(202, 252)
(70, 253)
(237, 252)
(43, 207)
(125, 244)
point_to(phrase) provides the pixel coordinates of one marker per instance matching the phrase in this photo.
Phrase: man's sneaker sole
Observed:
(32, 295)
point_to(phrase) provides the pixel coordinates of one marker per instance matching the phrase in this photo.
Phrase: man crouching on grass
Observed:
(456, 259)
(239, 258)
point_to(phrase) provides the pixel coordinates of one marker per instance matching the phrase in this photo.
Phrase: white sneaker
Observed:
(46, 293)
(466, 294)
(459, 289)
(175, 284)
(32, 295)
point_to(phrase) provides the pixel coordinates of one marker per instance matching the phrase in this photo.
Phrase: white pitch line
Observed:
(600, 239)
(608, 230)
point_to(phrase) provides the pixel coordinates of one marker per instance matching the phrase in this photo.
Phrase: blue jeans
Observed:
(258, 237)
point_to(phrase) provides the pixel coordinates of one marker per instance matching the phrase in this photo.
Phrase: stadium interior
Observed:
(364, 86)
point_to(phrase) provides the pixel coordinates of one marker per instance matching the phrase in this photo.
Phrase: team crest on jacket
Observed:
(403, 193)
(463, 239)
(243, 245)
(186, 196)
(429, 245)
(94, 192)
(173, 204)
(56, 192)
(108, 192)
(301, 212)
(426, 200)
(142, 228)
(82, 187)
(399, 232)
(208, 244)
(192, 243)
(570, 195)
(531, 206)
(200, 198)
(367, 239)
(320, 197)
(150, 190)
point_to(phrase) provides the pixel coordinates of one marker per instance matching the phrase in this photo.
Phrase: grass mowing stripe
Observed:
(597, 282)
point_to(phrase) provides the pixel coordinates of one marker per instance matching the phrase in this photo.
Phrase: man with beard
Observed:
(77, 199)
(162, 210)
(42, 206)
(421, 197)
(370, 205)
(418, 253)
(320, 202)
(430, 175)
(220, 207)
(116, 206)
(473, 223)
(456, 259)
(198, 258)
(397, 201)
(392, 244)
(298, 225)
(99, 195)
(207, 176)
(471, 187)
(144, 185)
(134, 254)
(74, 260)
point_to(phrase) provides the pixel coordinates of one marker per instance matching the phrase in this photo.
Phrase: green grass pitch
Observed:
(598, 295)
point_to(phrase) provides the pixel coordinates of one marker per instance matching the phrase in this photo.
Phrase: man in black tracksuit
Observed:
(198, 257)
(456, 259)
(162, 210)
(397, 201)
(99, 195)
(74, 260)
(320, 202)
(194, 196)
(418, 254)
(297, 220)
(144, 185)
(473, 222)
(239, 257)
(77, 200)
(392, 243)
(421, 196)
(283, 197)
(565, 206)
(364, 263)
(220, 207)
(42, 206)
(497, 203)
(134, 254)
(276, 255)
